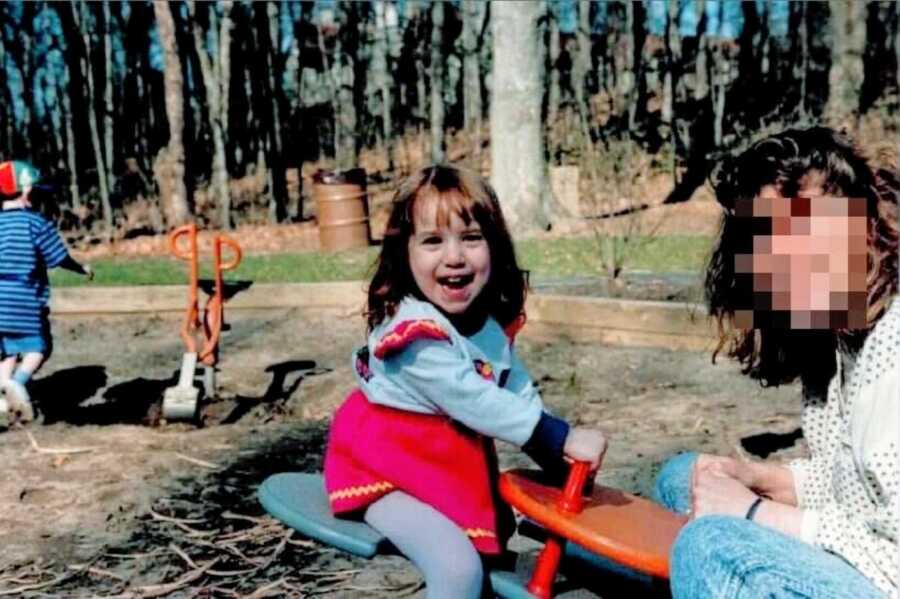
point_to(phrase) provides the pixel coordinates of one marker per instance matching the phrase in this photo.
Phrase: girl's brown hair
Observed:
(472, 199)
(786, 161)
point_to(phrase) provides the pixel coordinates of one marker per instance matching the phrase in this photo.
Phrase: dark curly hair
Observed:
(790, 161)
(472, 198)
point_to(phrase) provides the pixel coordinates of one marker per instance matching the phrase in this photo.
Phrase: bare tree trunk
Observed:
(216, 96)
(109, 109)
(381, 67)
(803, 64)
(701, 68)
(6, 101)
(671, 95)
(55, 130)
(845, 78)
(342, 81)
(630, 80)
(332, 79)
(584, 37)
(83, 22)
(437, 82)
(673, 60)
(220, 161)
(71, 164)
(519, 177)
(414, 16)
(721, 78)
(169, 167)
(474, 12)
(581, 65)
(24, 57)
(897, 41)
(145, 129)
(277, 182)
(553, 94)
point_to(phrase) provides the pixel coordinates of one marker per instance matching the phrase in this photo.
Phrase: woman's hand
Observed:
(585, 445)
(769, 480)
(714, 492)
(741, 471)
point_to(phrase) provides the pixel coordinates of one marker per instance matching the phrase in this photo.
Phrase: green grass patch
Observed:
(564, 257)
(585, 256)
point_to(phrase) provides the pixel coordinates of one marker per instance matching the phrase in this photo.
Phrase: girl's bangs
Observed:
(455, 201)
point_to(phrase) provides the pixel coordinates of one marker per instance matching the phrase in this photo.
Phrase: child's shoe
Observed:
(18, 401)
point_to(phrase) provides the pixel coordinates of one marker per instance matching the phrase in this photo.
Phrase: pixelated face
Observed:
(450, 261)
(808, 260)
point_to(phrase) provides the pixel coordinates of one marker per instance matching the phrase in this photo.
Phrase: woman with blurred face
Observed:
(802, 283)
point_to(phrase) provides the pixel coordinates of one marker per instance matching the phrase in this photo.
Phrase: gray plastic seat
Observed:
(299, 500)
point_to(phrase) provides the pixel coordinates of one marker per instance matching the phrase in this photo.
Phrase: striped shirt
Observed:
(29, 245)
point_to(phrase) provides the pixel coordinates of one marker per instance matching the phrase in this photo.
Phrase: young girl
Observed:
(413, 451)
(804, 284)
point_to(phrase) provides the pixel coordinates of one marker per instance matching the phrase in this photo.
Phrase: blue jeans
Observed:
(727, 557)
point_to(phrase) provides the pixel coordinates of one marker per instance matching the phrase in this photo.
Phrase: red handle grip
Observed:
(572, 500)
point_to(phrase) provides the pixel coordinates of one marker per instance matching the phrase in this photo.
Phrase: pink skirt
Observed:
(373, 450)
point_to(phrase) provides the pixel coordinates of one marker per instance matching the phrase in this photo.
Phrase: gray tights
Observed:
(434, 543)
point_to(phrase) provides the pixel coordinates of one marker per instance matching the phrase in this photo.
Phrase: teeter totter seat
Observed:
(299, 500)
(623, 528)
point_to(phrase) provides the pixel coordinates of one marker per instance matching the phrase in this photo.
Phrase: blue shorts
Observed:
(12, 344)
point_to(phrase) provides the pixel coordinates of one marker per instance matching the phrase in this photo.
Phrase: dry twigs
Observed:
(266, 590)
(34, 586)
(56, 451)
(157, 516)
(158, 590)
(197, 461)
(227, 555)
(95, 571)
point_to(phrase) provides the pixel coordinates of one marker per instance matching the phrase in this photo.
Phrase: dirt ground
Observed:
(99, 501)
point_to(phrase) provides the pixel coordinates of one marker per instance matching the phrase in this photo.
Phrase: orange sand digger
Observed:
(201, 338)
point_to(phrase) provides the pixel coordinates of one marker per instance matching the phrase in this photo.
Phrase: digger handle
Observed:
(212, 330)
(176, 234)
(233, 246)
(188, 327)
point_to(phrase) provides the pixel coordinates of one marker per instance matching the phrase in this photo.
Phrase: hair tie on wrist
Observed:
(751, 512)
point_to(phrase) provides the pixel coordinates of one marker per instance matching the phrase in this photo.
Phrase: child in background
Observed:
(29, 245)
(413, 450)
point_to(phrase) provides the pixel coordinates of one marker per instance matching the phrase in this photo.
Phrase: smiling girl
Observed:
(412, 451)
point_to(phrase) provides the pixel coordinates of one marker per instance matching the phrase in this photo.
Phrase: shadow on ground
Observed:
(765, 444)
(286, 379)
(217, 521)
(73, 396)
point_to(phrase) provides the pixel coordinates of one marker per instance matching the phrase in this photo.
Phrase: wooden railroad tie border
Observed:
(583, 319)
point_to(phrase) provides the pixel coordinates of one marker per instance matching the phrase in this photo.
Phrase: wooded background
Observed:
(149, 114)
